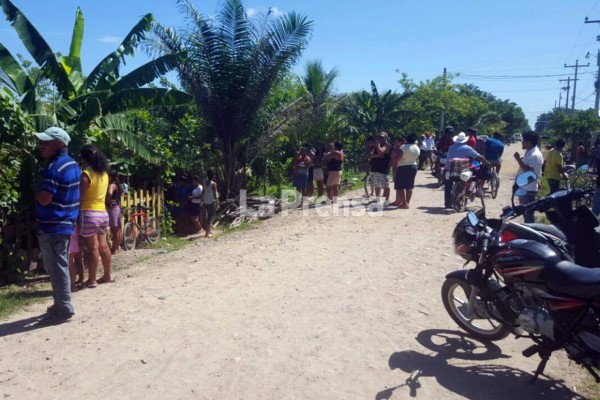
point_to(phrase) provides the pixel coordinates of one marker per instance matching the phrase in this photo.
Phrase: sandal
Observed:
(91, 285)
(102, 280)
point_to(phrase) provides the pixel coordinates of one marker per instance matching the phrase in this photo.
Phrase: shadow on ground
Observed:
(471, 380)
(436, 210)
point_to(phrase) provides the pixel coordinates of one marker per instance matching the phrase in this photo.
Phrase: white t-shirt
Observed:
(533, 158)
(196, 193)
(428, 144)
(410, 154)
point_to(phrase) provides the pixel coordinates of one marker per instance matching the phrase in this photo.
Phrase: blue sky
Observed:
(513, 49)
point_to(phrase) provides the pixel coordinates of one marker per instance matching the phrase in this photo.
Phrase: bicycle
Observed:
(494, 183)
(369, 186)
(149, 230)
(346, 185)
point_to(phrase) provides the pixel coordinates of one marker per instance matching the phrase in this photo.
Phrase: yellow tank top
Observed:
(95, 196)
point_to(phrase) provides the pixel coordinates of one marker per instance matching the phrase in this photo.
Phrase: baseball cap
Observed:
(54, 133)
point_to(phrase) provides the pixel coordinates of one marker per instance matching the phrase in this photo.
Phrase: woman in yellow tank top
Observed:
(93, 217)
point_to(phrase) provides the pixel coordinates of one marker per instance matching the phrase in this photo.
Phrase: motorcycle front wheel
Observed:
(455, 296)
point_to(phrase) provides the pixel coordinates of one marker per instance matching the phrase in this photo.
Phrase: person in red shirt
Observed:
(472, 134)
(446, 140)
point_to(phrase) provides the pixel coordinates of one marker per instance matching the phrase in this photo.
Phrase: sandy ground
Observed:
(295, 307)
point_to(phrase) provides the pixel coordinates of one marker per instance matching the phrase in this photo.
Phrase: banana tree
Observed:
(95, 102)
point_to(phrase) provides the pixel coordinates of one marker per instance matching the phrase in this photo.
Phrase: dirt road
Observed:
(296, 307)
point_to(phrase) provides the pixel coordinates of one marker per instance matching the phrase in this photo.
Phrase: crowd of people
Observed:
(78, 206)
(391, 161)
(323, 165)
(196, 200)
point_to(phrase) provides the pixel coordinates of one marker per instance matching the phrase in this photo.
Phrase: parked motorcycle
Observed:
(573, 229)
(437, 168)
(524, 286)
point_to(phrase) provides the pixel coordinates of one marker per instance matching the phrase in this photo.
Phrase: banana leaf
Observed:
(108, 68)
(39, 49)
(147, 72)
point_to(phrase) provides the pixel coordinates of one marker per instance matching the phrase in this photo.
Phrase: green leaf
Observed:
(12, 69)
(72, 63)
(117, 128)
(145, 97)
(92, 110)
(108, 68)
(39, 49)
(147, 72)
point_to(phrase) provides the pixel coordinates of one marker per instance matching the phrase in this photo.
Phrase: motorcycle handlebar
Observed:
(543, 204)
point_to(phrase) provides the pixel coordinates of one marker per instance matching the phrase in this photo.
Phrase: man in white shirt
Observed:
(531, 161)
(426, 145)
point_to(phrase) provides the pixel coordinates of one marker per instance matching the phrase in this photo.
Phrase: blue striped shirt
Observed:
(61, 179)
(461, 150)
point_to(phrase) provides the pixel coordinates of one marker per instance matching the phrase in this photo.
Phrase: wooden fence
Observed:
(19, 231)
(153, 200)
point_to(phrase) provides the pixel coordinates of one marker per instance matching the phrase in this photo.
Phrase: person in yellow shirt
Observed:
(554, 162)
(93, 217)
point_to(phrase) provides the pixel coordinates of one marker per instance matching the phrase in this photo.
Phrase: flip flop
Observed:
(102, 280)
(91, 285)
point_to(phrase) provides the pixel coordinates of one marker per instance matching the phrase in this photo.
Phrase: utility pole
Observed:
(441, 130)
(559, 97)
(597, 82)
(576, 66)
(567, 88)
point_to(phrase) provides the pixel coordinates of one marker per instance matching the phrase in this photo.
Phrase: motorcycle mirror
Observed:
(584, 169)
(525, 178)
(520, 192)
(472, 218)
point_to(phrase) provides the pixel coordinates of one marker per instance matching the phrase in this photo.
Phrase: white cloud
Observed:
(276, 12)
(110, 39)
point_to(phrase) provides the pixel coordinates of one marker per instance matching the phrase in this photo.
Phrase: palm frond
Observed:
(147, 72)
(108, 68)
(145, 97)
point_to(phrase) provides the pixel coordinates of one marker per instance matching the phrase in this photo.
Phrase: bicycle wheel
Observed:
(152, 230)
(129, 236)
(369, 188)
(494, 184)
(459, 200)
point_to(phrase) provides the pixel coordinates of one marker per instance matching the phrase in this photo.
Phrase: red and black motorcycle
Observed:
(524, 286)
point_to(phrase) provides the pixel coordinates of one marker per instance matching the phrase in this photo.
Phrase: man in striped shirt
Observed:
(460, 149)
(57, 207)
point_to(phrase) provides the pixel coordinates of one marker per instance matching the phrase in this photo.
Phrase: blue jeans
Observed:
(55, 253)
(528, 198)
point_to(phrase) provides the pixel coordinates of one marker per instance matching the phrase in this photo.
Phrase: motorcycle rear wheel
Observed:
(455, 296)
(459, 200)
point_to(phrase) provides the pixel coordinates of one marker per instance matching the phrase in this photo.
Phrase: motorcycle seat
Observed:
(551, 229)
(574, 280)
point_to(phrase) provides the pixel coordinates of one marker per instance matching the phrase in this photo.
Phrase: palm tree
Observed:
(319, 97)
(230, 66)
(97, 101)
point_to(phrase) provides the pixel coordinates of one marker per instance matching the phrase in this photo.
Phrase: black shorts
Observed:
(405, 177)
